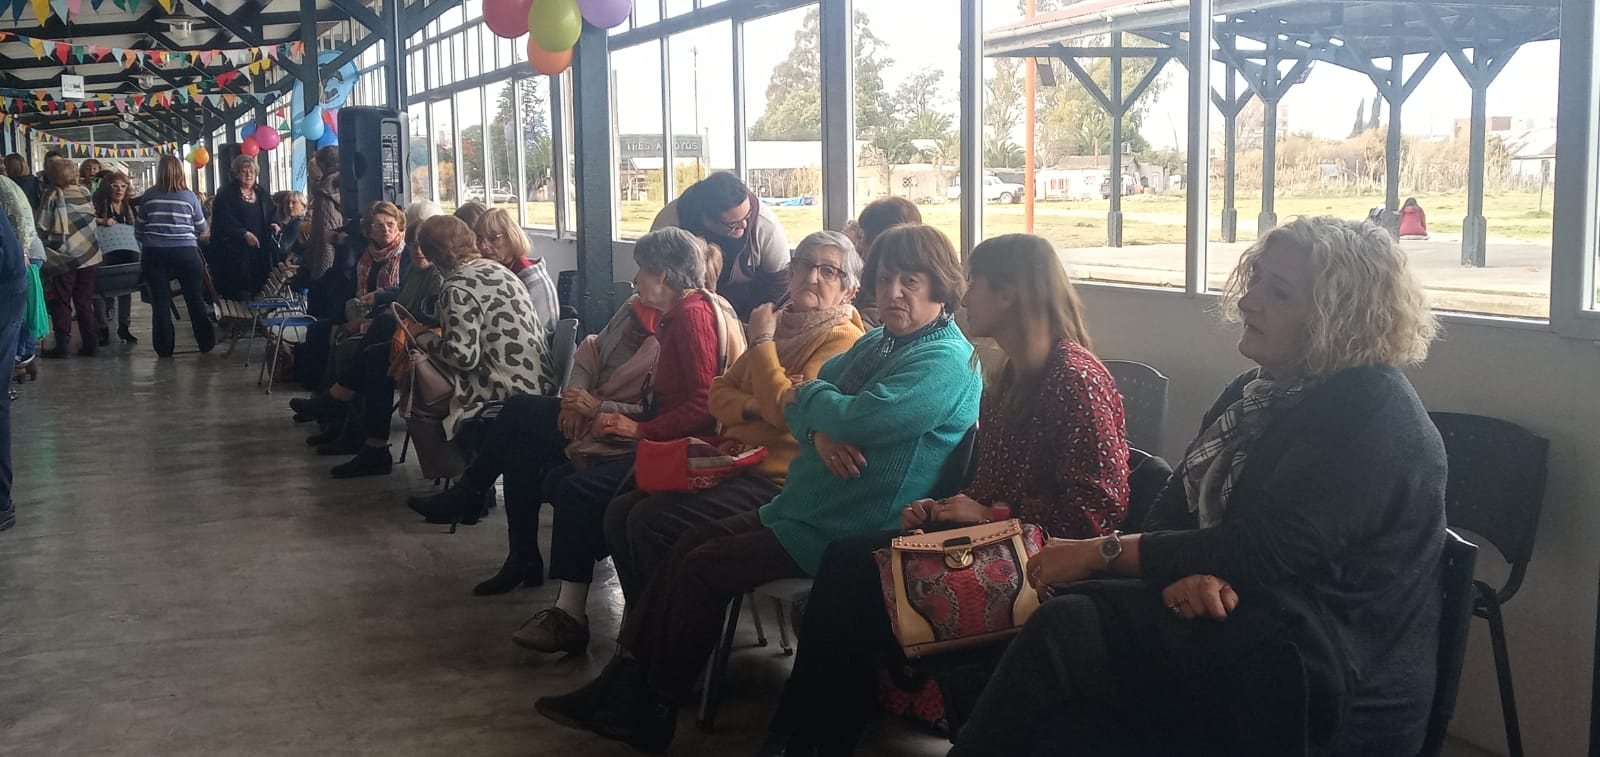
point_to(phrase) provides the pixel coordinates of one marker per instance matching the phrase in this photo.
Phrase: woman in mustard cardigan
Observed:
(874, 431)
(792, 343)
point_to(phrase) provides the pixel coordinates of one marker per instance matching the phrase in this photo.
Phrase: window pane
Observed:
(444, 140)
(535, 189)
(471, 53)
(469, 165)
(678, 7)
(569, 190)
(501, 185)
(907, 87)
(646, 12)
(636, 80)
(783, 97)
(420, 161)
(702, 103)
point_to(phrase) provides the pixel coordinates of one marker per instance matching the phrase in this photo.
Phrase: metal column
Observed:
(395, 85)
(1114, 215)
(971, 176)
(1230, 159)
(836, 44)
(596, 173)
(1196, 191)
(1475, 228)
(263, 161)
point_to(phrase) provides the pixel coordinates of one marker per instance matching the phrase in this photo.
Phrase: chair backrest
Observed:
(1455, 622)
(1147, 476)
(959, 467)
(1144, 399)
(1496, 485)
(621, 292)
(564, 348)
(566, 288)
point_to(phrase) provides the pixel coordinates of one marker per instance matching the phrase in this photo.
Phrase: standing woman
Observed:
(1052, 449)
(17, 169)
(20, 214)
(290, 220)
(89, 175)
(242, 245)
(66, 219)
(171, 226)
(113, 205)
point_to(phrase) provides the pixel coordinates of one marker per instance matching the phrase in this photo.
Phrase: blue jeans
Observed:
(12, 305)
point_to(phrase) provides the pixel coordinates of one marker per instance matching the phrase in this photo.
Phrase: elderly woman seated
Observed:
(1288, 600)
(699, 337)
(874, 429)
(503, 240)
(1052, 451)
(490, 342)
(786, 345)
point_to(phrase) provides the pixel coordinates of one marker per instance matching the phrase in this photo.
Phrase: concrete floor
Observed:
(185, 580)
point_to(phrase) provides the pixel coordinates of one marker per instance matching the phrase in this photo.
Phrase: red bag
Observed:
(689, 465)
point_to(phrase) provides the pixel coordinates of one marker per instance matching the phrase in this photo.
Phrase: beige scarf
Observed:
(799, 335)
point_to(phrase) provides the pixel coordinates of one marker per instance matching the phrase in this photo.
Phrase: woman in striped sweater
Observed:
(874, 428)
(171, 225)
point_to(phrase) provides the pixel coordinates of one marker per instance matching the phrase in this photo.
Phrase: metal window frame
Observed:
(1575, 244)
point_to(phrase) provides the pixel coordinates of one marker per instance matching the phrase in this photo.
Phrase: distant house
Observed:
(1533, 152)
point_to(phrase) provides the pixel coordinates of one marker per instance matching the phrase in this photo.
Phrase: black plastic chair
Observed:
(1495, 492)
(1147, 476)
(1455, 623)
(1144, 399)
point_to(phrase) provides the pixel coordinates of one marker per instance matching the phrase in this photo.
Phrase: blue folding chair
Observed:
(291, 316)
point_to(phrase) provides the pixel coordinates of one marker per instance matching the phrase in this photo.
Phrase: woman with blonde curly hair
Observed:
(1308, 515)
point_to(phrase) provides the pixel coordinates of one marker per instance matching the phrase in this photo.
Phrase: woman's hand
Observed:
(616, 424)
(1063, 561)
(763, 323)
(917, 514)
(961, 509)
(580, 401)
(843, 460)
(1200, 596)
(108, 221)
(276, 229)
(572, 423)
(250, 239)
(368, 298)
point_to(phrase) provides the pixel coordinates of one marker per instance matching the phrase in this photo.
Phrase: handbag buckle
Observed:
(958, 553)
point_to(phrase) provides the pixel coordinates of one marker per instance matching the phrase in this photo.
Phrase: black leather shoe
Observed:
(515, 572)
(577, 709)
(321, 407)
(370, 461)
(458, 504)
(8, 518)
(126, 336)
(343, 445)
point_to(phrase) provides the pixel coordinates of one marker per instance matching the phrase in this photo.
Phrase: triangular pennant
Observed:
(138, 101)
(80, 53)
(37, 45)
(63, 51)
(17, 6)
(230, 99)
(60, 8)
(122, 104)
(123, 4)
(75, 7)
(133, 6)
(208, 56)
(272, 52)
(129, 59)
(95, 4)
(166, 5)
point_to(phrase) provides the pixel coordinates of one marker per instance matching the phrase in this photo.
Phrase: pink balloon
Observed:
(605, 13)
(250, 146)
(507, 18)
(267, 137)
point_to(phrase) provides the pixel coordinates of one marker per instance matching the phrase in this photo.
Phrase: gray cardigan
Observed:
(1335, 529)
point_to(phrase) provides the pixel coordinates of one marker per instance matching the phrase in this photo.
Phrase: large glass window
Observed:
(500, 138)
(636, 88)
(523, 126)
(420, 150)
(783, 97)
(444, 149)
(702, 103)
(470, 173)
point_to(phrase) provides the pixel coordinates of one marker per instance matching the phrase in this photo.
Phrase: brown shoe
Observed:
(553, 630)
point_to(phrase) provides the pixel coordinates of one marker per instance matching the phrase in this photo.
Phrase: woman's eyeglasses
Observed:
(828, 272)
(491, 239)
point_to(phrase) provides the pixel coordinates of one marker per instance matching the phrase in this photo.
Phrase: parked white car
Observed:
(994, 190)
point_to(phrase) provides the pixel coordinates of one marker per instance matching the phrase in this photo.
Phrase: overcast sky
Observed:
(926, 39)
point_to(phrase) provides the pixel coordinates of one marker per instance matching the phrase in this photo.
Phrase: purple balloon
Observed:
(605, 13)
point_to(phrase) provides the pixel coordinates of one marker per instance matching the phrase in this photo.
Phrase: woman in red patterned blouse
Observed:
(1051, 452)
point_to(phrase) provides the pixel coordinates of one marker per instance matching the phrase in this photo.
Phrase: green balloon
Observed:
(555, 25)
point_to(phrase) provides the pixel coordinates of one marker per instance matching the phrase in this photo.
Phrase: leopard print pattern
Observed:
(492, 338)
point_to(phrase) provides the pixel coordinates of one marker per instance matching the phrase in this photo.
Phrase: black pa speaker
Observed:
(372, 158)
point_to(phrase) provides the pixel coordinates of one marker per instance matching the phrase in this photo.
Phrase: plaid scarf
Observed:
(1216, 458)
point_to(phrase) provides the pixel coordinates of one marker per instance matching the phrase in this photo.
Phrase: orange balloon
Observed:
(200, 156)
(546, 62)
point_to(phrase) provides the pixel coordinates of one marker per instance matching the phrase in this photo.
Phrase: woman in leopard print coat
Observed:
(492, 341)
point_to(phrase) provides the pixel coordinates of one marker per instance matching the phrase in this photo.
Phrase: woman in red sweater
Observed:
(699, 336)
(1051, 450)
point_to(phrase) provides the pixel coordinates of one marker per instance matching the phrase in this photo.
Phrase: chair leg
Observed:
(404, 446)
(272, 370)
(755, 618)
(1502, 668)
(783, 628)
(717, 668)
(261, 373)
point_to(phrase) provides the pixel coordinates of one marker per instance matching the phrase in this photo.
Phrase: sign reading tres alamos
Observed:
(649, 146)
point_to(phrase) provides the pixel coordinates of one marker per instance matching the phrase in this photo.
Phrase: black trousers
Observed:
(523, 444)
(161, 265)
(367, 372)
(577, 532)
(641, 528)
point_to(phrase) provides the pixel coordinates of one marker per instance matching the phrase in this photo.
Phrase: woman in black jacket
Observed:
(243, 249)
(1289, 593)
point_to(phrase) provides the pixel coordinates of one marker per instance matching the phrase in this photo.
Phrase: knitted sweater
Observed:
(682, 381)
(906, 420)
(759, 375)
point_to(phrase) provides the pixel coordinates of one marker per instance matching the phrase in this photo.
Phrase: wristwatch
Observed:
(1111, 548)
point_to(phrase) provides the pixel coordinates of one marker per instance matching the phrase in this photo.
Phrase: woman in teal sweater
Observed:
(874, 429)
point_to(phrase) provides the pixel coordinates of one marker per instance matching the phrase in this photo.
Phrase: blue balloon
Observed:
(246, 130)
(311, 126)
(329, 138)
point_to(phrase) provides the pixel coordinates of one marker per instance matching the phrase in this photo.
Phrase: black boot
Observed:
(321, 407)
(62, 348)
(126, 336)
(637, 716)
(459, 504)
(578, 708)
(105, 337)
(369, 461)
(515, 572)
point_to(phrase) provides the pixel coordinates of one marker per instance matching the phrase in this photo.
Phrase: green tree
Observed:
(535, 130)
(794, 93)
(1002, 113)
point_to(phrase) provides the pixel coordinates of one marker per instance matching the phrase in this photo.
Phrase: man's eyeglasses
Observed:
(828, 272)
